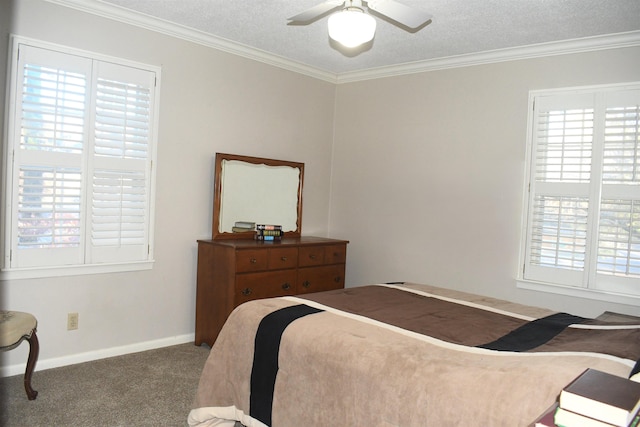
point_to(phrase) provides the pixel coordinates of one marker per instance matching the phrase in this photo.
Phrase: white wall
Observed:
(210, 102)
(434, 163)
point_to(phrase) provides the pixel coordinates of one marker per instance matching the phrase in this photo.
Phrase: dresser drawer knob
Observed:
(337, 279)
(246, 291)
(312, 256)
(284, 258)
(286, 286)
(253, 260)
(306, 284)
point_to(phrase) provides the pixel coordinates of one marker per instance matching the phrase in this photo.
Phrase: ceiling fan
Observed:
(352, 26)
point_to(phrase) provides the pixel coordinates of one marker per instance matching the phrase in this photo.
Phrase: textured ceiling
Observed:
(459, 27)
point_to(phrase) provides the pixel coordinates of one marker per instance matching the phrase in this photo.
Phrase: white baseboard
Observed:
(72, 359)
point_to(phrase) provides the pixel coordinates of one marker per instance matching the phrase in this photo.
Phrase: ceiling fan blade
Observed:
(316, 11)
(405, 15)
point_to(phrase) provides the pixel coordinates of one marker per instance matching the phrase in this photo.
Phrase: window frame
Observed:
(589, 289)
(6, 270)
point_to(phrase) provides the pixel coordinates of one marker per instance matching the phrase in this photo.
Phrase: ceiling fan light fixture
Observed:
(351, 27)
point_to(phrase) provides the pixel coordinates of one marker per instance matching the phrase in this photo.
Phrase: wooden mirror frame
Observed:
(217, 194)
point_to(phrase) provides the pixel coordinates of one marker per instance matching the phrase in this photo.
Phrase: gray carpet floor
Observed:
(151, 388)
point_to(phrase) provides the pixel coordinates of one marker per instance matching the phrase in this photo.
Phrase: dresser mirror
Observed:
(258, 190)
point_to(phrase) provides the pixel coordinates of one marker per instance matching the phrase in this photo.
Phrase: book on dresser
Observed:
(245, 224)
(241, 230)
(243, 227)
(600, 396)
(268, 227)
(268, 232)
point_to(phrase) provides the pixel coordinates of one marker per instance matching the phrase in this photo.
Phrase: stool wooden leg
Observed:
(34, 349)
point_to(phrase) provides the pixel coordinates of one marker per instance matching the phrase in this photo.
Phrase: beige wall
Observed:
(434, 163)
(210, 102)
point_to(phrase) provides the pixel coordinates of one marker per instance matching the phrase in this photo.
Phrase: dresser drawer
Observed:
(265, 284)
(317, 279)
(311, 255)
(335, 254)
(280, 258)
(251, 260)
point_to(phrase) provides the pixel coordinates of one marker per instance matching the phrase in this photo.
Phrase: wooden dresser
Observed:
(231, 272)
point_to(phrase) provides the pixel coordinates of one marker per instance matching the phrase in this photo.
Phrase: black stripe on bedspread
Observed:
(636, 369)
(534, 334)
(265, 358)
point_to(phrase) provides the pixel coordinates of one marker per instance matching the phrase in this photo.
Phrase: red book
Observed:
(546, 419)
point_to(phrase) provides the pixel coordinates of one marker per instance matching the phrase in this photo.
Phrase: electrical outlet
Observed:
(72, 321)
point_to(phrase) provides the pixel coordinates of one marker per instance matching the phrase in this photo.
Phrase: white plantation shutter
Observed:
(583, 227)
(618, 252)
(559, 232)
(619, 238)
(80, 177)
(49, 216)
(119, 215)
(123, 114)
(121, 166)
(49, 140)
(53, 108)
(563, 139)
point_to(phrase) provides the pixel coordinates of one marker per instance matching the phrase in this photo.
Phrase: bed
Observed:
(400, 355)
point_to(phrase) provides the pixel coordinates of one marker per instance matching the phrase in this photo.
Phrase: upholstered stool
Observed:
(16, 326)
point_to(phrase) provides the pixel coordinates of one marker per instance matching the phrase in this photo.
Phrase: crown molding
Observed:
(564, 47)
(141, 20)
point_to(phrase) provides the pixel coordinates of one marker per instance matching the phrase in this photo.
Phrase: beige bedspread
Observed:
(341, 369)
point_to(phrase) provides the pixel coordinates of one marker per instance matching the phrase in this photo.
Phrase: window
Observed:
(583, 208)
(79, 155)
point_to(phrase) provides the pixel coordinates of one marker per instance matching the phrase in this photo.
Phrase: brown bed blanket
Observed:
(411, 355)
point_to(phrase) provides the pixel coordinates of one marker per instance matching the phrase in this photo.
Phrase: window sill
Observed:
(632, 300)
(35, 273)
